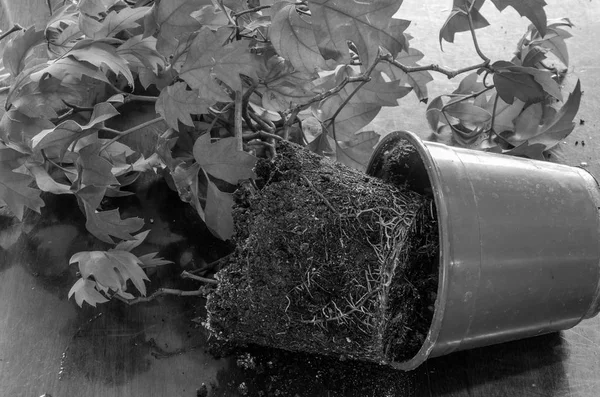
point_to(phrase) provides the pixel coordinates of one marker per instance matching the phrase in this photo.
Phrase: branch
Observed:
(238, 122)
(189, 275)
(474, 36)
(129, 131)
(450, 73)
(160, 292)
(139, 98)
(16, 27)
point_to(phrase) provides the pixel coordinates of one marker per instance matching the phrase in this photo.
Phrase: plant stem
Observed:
(450, 73)
(212, 264)
(129, 131)
(474, 36)
(139, 98)
(238, 122)
(157, 293)
(16, 27)
(191, 276)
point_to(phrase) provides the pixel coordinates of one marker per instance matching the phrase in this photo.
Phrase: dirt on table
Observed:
(328, 261)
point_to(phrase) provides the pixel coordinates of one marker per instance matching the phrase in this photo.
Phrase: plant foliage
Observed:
(230, 78)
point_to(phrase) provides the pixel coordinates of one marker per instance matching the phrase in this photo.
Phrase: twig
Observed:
(16, 27)
(262, 135)
(310, 184)
(450, 73)
(474, 36)
(191, 276)
(160, 292)
(245, 100)
(139, 98)
(238, 122)
(212, 264)
(264, 124)
(129, 131)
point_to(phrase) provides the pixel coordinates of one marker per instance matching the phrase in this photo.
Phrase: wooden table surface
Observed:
(49, 345)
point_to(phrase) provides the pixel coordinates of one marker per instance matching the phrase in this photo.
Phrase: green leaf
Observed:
(109, 223)
(505, 114)
(150, 260)
(115, 22)
(417, 80)
(292, 36)
(141, 52)
(534, 55)
(16, 129)
(111, 269)
(63, 37)
(188, 185)
(222, 160)
(95, 7)
(14, 187)
(208, 59)
(67, 66)
(174, 18)
(128, 245)
(356, 153)
(469, 85)
(219, 218)
(369, 25)
(542, 77)
(362, 107)
(95, 170)
(531, 9)
(102, 55)
(19, 47)
(528, 123)
(467, 112)
(523, 86)
(458, 20)
(211, 17)
(433, 113)
(44, 181)
(177, 103)
(282, 86)
(557, 129)
(64, 134)
(554, 40)
(322, 145)
(85, 291)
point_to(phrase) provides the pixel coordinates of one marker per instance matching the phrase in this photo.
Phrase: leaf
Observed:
(417, 80)
(177, 103)
(369, 25)
(211, 17)
(128, 245)
(356, 153)
(534, 56)
(173, 18)
(150, 260)
(557, 129)
(188, 186)
(19, 47)
(505, 114)
(523, 86)
(458, 21)
(141, 52)
(467, 112)
(64, 133)
(44, 181)
(293, 39)
(531, 9)
(542, 77)
(109, 223)
(62, 38)
(95, 7)
(14, 187)
(222, 160)
(219, 218)
(362, 107)
(17, 129)
(554, 40)
(67, 66)
(208, 59)
(469, 85)
(111, 269)
(104, 56)
(322, 145)
(115, 22)
(95, 171)
(528, 123)
(85, 291)
(283, 87)
(433, 113)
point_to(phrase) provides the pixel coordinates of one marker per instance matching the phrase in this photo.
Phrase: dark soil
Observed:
(328, 261)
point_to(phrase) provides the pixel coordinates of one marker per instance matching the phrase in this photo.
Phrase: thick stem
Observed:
(16, 27)
(129, 131)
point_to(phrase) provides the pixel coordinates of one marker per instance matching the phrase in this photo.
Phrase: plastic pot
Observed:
(519, 244)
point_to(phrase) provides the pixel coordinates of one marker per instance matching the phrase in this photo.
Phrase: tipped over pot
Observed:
(519, 242)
